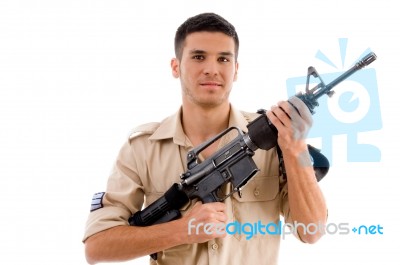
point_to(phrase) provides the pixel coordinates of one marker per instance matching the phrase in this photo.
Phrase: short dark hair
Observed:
(204, 22)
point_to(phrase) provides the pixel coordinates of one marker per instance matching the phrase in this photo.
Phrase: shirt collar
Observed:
(171, 127)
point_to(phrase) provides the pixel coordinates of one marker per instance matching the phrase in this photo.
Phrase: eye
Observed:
(198, 57)
(223, 59)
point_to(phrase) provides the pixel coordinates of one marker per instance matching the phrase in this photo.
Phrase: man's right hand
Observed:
(205, 222)
(121, 243)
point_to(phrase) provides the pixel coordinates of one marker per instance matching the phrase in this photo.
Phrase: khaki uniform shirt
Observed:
(153, 159)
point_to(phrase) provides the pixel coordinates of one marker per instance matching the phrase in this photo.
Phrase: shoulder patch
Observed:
(148, 128)
(97, 201)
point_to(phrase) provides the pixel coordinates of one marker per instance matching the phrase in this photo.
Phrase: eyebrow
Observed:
(195, 51)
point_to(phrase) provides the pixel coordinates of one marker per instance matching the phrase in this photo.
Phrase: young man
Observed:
(206, 48)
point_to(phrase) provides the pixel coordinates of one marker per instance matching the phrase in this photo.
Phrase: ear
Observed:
(236, 71)
(175, 67)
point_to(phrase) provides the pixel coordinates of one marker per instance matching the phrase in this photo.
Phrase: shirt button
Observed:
(214, 246)
(256, 192)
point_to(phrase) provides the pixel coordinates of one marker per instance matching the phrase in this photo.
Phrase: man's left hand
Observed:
(293, 120)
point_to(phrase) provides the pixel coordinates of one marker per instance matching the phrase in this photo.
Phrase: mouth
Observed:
(210, 84)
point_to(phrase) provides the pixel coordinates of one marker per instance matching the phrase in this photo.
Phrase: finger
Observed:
(275, 120)
(281, 113)
(221, 217)
(302, 109)
(197, 204)
(300, 118)
(217, 211)
(218, 206)
(298, 124)
(290, 110)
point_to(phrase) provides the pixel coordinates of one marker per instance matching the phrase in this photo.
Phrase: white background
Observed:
(76, 76)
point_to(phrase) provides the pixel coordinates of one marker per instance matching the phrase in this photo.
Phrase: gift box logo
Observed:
(354, 108)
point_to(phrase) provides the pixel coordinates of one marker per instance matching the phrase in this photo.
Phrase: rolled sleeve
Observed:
(123, 196)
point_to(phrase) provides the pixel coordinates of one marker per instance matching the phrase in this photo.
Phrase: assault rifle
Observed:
(233, 163)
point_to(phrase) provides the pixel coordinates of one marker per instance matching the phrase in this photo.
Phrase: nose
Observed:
(210, 68)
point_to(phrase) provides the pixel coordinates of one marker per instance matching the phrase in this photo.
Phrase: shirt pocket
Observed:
(257, 203)
(259, 189)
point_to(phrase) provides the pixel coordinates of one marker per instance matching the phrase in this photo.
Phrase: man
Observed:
(206, 48)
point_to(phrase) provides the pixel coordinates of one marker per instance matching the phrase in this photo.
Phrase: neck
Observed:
(201, 123)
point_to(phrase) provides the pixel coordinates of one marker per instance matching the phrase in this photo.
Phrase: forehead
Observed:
(209, 42)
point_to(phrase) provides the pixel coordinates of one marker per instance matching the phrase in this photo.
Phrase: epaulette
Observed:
(147, 128)
(249, 116)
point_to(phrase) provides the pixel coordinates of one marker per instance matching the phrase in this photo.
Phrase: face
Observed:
(207, 68)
